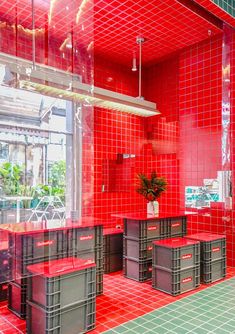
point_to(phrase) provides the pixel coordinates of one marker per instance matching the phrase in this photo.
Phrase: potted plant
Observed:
(151, 188)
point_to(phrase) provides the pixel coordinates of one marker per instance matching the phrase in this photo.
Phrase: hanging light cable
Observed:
(140, 41)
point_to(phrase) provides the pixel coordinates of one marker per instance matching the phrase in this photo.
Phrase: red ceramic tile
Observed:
(113, 307)
(112, 25)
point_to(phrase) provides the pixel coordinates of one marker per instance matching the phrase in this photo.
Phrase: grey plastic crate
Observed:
(211, 250)
(76, 319)
(175, 282)
(176, 258)
(175, 227)
(5, 266)
(139, 271)
(17, 299)
(81, 239)
(85, 238)
(213, 271)
(3, 291)
(144, 230)
(19, 266)
(112, 262)
(137, 249)
(113, 243)
(62, 291)
(99, 282)
(35, 245)
(95, 255)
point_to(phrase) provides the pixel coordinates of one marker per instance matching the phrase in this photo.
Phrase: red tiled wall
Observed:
(18, 42)
(183, 143)
(116, 133)
(200, 94)
(229, 222)
(161, 86)
(200, 111)
(152, 140)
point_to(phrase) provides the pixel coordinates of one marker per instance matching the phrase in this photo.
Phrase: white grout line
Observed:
(8, 322)
(184, 298)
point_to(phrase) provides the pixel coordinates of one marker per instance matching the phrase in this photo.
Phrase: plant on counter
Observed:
(151, 188)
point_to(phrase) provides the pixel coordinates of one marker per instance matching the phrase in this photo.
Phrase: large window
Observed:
(36, 139)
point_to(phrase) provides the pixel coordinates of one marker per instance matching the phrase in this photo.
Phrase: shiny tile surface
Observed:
(123, 300)
(208, 311)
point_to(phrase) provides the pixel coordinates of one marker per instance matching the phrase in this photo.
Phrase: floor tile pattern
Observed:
(208, 311)
(123, 300)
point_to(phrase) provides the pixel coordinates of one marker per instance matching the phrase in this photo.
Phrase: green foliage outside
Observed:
(11, 178)
(11, 182)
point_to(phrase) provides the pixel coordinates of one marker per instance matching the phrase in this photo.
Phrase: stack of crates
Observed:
(5, 271)
(28, 249)
(176, 265)
(137, 247)
(137, 243)
(113, 249)
(61, 297)
(87, 243)
(213, 256)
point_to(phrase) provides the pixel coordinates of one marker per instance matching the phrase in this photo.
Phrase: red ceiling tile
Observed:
(166, 24)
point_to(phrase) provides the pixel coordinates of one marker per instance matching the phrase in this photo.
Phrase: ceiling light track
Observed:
(50, 81)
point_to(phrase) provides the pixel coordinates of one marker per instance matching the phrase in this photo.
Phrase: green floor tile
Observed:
(200, 330)
(130, 325)
(122, 329)
(181, 330)
(220, 331)
(210, 311)
(189, 325)
(141, 329)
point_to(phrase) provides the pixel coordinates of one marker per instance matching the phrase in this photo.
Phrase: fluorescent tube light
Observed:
(73, 89)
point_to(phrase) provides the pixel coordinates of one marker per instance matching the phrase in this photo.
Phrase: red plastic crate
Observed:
(176, 253)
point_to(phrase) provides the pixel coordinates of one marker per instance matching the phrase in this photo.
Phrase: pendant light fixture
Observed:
(134, 67)
(44, 79)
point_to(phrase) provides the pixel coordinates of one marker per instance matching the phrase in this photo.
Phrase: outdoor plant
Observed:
(10, 178)
(151, 188)
(58, 174)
